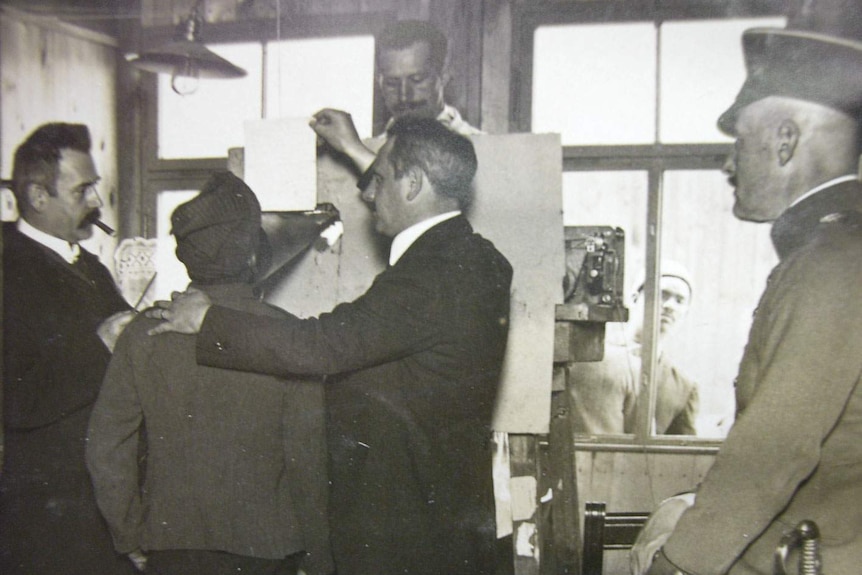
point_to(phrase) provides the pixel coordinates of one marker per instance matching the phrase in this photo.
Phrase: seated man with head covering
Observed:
(235, 474)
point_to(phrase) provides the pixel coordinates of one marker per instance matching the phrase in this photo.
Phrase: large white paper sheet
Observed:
(280, 163)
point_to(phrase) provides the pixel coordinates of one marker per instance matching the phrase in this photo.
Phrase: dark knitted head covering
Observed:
(218, 232)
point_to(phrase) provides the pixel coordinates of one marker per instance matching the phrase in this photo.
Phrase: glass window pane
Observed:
(595, 84)
(729, 261)
(604, 394)
(171, 273)
(702, 69)
(208, 122)
(304, 76)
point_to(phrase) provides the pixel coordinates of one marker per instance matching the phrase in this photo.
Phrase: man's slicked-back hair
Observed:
(405, 33)
(37, 157)
(448, 159)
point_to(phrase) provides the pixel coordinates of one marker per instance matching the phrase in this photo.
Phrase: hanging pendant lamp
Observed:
(187, 59)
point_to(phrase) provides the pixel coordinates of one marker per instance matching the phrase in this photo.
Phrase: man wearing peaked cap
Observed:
(236, 479)
(795, 450)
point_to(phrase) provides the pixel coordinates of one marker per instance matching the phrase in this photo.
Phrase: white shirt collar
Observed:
(64, 249)
(402, 242)
(824, 185)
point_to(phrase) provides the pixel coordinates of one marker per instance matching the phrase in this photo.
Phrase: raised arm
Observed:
(336, 128)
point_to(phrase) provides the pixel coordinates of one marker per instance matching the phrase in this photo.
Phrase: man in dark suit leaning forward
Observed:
(414, 366)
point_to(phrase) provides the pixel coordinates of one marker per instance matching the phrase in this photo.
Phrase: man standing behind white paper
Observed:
(280, 163)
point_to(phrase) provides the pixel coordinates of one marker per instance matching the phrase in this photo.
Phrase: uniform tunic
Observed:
(795, 450)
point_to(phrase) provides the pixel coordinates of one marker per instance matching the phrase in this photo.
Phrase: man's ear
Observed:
(37, 196)
(415, 180)
(788, 138)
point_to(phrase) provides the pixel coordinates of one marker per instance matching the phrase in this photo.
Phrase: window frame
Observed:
(160, 174)
(655, 159)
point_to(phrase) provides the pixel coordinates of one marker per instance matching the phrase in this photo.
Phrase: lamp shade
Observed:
(186, 55)
(192, 57)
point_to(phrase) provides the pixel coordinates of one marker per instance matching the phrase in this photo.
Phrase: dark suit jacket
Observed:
(53, 363)
(414, 366)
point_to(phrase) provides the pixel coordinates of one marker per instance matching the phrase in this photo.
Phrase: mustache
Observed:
(407, 107)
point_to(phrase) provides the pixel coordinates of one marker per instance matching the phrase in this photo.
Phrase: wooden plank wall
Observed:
(634, 482)
(56, 72)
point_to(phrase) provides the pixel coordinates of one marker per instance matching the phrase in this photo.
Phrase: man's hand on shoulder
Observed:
(185, 312)
(139, 560)
(110, 329)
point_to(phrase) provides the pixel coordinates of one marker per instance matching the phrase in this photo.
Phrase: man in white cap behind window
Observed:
(605, 395)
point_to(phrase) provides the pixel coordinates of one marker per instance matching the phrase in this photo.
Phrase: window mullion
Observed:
(264, 79)
(644, 416)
